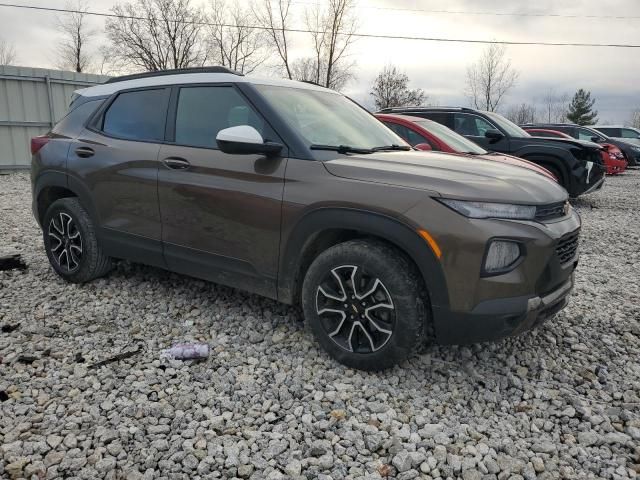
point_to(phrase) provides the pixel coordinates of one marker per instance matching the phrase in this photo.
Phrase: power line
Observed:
(499, 14)
(358, 35)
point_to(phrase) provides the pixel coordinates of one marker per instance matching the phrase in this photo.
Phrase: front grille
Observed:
(568, 247)
(549, 212)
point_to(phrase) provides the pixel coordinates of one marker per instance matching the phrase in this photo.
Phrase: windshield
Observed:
(511, 128)
(451, 138)
(327, 118)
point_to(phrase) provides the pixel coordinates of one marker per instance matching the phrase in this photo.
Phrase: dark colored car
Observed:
(577, 165)
(427, 135)
(294, 192)
(630, 150)
(614, 159)
(621, 132)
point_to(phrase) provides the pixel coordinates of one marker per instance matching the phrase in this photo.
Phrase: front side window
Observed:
(471, 125)
(588, 135)
(628, 133)
(327, 118)
(203, 111)
(138, 115)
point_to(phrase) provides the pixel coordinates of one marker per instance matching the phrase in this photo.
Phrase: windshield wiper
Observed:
(341, 148)
(404, 148)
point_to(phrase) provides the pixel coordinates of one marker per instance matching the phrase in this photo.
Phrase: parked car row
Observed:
(630, 151)
(614, 160)
(576, 164)
(292, 191)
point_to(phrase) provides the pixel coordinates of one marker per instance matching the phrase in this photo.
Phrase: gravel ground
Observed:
(560, 402)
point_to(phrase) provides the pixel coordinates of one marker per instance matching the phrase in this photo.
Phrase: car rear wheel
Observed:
(365, 304)
(71, 243)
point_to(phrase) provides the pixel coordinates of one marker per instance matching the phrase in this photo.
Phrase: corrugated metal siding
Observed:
(29, 106)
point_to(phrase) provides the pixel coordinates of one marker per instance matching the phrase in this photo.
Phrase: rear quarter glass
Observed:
(74, 122)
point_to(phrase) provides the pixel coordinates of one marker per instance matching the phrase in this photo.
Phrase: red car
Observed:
(612, 156)
(426, 134)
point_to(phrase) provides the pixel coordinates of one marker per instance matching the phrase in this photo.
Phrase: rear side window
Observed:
(408, 135)
(568, 130)
(138, 115)
(610, 132)
(443, 118)
(203, 111)
(72, 124)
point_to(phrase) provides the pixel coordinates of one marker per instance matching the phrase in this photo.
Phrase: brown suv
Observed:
(294, 192)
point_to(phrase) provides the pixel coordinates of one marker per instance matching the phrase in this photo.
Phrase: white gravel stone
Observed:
(561, 401)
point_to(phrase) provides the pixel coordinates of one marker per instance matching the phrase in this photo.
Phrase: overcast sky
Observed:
(612, 74)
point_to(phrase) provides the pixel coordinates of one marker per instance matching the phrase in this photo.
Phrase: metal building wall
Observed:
(32, 100)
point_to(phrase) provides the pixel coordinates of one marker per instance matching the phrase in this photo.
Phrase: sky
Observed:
(611, 74)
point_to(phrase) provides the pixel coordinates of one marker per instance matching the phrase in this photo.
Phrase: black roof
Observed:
(177, 71)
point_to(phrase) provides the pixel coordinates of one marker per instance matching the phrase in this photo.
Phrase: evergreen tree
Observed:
(581, 109)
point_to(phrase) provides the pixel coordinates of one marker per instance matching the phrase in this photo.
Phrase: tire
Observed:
(71, 243)
(382, 336)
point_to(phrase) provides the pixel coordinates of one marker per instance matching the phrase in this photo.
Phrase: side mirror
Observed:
(245, 140)
(494, 135)
(424, 147)
(595, 139)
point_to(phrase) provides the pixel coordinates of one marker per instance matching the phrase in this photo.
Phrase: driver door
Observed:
(220, 212)
(474, 128)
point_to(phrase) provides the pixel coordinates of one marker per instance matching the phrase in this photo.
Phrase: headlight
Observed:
(490, 210)
(501, 255)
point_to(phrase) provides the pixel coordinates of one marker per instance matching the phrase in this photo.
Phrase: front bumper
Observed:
(595, 187)
(500, 318)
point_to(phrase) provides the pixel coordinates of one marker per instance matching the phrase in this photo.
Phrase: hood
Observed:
(520, 162)
(452, 176)
(566, 142)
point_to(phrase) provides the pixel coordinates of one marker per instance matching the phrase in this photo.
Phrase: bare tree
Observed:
(523, 113)
(232, 37)
(391, 89)
(555, 106)
(73, 47)
(331, 29)
(635, 118)
(275, 19)
(157, 34)
(490, 78)
(7, 52)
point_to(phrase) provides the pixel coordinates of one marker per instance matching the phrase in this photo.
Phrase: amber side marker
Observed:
(432, 243)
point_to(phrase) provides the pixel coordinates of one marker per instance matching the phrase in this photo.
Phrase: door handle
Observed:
(85, 152)
(176, 163)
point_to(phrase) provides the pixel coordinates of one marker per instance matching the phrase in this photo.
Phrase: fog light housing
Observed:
(502, 256)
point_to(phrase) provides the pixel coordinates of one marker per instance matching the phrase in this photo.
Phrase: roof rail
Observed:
(177, 71)
(418, 109)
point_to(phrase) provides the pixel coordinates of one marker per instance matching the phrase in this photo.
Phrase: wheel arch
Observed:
(323, 228)
(52, 186)
(550, 161)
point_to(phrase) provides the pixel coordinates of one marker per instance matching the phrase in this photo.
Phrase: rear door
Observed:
(220, 212)
(116, 160)
(474, 128)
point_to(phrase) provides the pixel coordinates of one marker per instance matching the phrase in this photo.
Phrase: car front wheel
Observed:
(365, 304)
